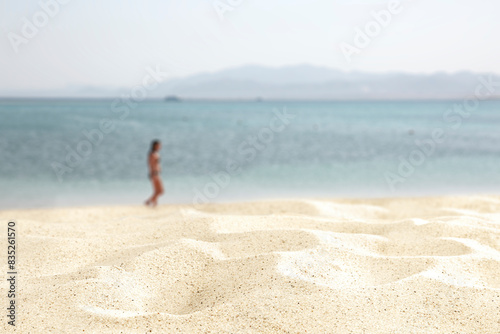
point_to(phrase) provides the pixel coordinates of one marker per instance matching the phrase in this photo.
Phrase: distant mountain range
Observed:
(301, 82)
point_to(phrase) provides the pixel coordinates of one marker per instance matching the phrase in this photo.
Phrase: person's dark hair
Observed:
(154, 143)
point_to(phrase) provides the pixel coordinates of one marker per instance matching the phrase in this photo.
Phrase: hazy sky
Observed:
(111, 42)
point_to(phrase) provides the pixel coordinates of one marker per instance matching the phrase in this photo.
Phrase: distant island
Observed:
(307, 82)
(255, 83)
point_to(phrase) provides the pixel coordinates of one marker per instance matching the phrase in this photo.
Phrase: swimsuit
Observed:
(156, 173)
(153, 174)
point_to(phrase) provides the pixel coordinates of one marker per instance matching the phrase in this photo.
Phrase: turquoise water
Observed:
(213, 152)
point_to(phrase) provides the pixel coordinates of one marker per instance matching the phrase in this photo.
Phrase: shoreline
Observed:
(357, 199)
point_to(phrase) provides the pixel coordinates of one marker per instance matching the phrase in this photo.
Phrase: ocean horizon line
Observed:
(256, 100)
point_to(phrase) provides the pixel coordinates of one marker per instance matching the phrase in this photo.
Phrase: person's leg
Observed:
(158, 186)
(149, 201)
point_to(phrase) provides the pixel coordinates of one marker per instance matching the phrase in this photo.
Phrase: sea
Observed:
(59, 153)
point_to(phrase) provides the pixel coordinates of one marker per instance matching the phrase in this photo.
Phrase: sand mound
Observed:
(429, 265)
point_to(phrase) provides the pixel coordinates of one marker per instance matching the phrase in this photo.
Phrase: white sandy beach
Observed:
(428, 265)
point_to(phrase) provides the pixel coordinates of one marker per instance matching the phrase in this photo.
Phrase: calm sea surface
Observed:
(57, 153)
